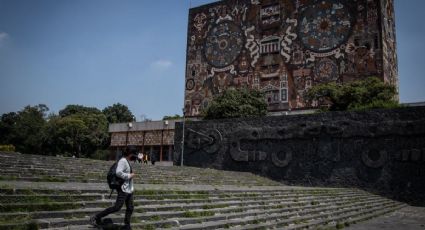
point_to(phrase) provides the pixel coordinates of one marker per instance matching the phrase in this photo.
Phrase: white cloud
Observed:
(3, 37)
(161, 64)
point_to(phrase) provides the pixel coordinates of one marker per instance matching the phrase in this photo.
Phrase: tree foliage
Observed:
(237, 103)
(364, 94)
(7, 123)
(176, 116)
(77, 109)
(118, 113)
(80, 130)
(72, 134)
(75, 130)
(22, 129)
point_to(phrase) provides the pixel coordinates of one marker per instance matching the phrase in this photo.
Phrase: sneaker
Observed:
(95, 221)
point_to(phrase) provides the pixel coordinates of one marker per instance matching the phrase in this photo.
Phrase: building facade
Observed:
(284, 47)
(156, 138)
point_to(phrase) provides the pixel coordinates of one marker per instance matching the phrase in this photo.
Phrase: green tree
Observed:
(52, 145)
(77, 109)
(176, 116)
(364, 94)
(72, 134)
(27, 130)
(118, 113)
(7, 123)
(97, 136)
(81, 130)
(75, 130)
(236, 103)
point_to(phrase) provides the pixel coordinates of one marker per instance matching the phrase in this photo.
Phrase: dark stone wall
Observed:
(380, 150)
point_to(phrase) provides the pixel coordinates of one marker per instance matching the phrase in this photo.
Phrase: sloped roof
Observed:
(143, 126)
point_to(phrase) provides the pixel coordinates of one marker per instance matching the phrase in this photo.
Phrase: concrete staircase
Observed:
(234, 201)
(27, 167)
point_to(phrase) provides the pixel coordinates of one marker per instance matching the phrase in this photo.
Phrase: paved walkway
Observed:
(408, 218)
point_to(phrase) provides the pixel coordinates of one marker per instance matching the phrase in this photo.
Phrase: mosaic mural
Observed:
(284, 47)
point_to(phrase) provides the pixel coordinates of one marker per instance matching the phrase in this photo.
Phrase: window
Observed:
(284, 95)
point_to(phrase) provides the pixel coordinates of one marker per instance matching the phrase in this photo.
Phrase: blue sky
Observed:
(100, 52)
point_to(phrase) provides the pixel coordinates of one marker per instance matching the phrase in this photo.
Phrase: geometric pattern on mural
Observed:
(284, 47)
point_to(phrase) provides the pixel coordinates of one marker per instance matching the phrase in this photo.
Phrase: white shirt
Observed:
(123, 171)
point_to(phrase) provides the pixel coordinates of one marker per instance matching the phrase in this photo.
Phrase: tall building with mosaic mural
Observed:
(284, 47)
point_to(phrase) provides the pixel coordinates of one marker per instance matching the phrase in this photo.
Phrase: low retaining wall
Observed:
(380, 150)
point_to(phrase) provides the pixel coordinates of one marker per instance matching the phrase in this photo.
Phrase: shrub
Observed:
(236, 103)
(370, 93)
(7, 148)
(100, 154)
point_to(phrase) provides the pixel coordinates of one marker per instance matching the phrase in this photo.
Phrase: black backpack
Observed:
(114, 182)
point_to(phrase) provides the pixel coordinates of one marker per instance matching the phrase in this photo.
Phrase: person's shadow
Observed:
(108, 224)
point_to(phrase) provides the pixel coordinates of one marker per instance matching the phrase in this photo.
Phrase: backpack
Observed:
(114, 182)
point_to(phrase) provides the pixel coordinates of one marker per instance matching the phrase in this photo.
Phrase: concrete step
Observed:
(171, 204)
(69, 214)
(214, 220)
(45, 168)
(196, 205)
(292, 220)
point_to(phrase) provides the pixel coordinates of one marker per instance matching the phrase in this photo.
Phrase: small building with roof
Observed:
(155, 138)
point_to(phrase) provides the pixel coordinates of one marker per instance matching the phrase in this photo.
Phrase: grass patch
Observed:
(297, 221)
(31, 207)
(315, 202)
(5, 187)
(167, 225)
(135, 220)
(147, 192)
(256, 221)
(76, 216)
(212, 206)
(157, 182)
(40, 199)
(251, 195)
(340, 225)
(169, 192)
(192, 196)
(14, 219)
(148, 227)
(8, 177)
(224, 195)
(191, 214)
(155, 218)
(27, 226)
(105, 205)
(27, 191)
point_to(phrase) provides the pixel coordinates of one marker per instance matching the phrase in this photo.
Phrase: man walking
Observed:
(125, 193)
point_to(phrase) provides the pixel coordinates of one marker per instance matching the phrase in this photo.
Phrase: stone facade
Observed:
(381, 150)
(284, 47)
(390, 72)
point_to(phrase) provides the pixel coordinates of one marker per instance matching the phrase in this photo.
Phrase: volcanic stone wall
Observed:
(381, 150)
(284, 47)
